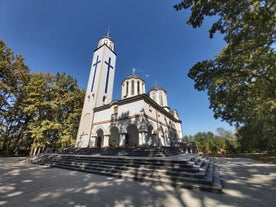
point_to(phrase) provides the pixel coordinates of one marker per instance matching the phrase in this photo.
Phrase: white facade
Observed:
(137, 119)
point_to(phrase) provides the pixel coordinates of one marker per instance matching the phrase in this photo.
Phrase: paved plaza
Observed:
(245, 183)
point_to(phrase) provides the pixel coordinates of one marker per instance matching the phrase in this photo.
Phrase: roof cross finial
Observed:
(108, 32)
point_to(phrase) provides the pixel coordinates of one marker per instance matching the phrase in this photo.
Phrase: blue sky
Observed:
(150, 36)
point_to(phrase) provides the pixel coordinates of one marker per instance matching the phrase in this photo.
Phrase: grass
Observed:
(263, 157)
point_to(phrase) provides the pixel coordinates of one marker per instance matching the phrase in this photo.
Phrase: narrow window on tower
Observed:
(104, 98)
(132, 87)
(126, 89)
(138, 87)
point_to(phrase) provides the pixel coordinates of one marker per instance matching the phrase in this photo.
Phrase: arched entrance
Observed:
(114, 138)
(132, 138)
(99, 140)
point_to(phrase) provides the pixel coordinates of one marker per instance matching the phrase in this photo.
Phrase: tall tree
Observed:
(14, 74)
(36, 110)
(241, 80)
(68, 101)
(54, 102)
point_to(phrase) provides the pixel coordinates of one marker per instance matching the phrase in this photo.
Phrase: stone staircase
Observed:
(192, 171)
(125, 151)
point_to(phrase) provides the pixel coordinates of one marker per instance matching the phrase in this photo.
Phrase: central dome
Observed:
(132, 85)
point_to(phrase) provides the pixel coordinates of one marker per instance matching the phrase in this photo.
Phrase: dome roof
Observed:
(133, 77)
(106, 37)
(157, 88)
(106, 40)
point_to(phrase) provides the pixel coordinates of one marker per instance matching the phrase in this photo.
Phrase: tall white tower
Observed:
(99, 88)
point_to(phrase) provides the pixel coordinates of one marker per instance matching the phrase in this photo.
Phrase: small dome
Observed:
(133, 77)
(106, 40)
(132, 85)
(157, 88)
(159, 95)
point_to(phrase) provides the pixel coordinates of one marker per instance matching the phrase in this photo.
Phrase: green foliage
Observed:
(241, 80)
(37, 110)
(13, 75)
(207, 142)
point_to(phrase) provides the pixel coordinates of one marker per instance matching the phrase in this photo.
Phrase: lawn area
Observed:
(264, 157)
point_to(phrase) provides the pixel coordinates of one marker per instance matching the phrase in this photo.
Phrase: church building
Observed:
(138, 119)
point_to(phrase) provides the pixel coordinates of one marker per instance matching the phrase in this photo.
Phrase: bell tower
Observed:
(99, 88)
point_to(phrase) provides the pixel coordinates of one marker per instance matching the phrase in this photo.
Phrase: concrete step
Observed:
(197, 172)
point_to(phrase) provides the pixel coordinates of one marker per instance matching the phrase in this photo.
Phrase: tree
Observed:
(37, 110)
(54, 102)
(14, 74)
(241, 80)
(68, 102)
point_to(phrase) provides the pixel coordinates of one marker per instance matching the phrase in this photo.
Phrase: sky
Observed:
(150, 36)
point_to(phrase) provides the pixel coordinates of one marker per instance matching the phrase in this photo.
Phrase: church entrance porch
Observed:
(99, 142)
(132, 137)
(99, 139)
(114, 139)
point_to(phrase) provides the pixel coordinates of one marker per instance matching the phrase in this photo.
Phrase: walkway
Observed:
(246, 183)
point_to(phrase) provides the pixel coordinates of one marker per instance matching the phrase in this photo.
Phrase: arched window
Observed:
(138, 87)
(132, 87)
(126, 88)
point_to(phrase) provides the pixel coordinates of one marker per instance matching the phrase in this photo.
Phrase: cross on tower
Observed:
(95, 64)
(107, 76)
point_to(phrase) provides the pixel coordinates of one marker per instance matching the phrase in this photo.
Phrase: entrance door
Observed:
(99, 142)
(99, 138)
(132, 135)
(126, 140)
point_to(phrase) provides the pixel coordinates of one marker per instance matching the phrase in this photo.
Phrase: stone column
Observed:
(92, 141)
(129, 88)
(163, 141)
(154, 139)
(106, 141)
(140, 138)
(135, 85)
(122, 139)
(144, 137)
